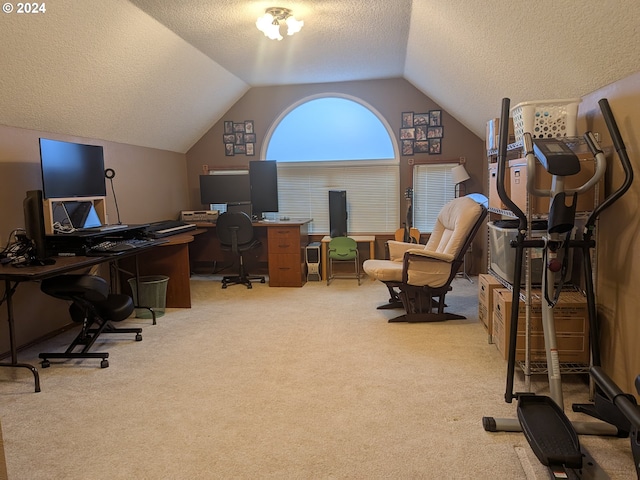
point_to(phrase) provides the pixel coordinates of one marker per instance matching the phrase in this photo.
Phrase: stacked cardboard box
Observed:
(486, 285)
(571, 322)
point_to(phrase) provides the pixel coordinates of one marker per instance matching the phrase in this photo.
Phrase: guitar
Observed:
(408, 234)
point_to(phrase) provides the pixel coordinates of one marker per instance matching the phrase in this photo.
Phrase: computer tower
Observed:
(312, 257)
(337, 213)
(34, 222)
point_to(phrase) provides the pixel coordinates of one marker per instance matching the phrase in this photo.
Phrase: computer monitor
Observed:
(71, 169)
(263, 177)
(225, 186)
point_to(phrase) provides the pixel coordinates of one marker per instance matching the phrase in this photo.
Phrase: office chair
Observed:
(343, 249)
(92, 304)
(423, 274)
(235, 233)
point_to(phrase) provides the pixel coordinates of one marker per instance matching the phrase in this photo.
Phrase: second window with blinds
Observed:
(433, 187)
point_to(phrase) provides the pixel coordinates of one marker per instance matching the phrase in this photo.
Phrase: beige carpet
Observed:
(278, 383)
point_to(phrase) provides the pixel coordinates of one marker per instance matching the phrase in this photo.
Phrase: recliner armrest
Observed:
(420, 252)
(397, 249)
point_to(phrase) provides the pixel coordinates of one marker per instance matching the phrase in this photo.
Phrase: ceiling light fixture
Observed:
(269, 23)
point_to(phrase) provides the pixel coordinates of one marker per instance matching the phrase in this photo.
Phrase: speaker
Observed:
(337, 213)
(34, 222)
(312, 258)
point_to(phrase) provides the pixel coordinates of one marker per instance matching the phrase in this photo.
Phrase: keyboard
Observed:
(118, 246)
(168, 227)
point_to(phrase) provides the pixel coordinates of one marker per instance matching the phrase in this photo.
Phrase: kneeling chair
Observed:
(92, 304)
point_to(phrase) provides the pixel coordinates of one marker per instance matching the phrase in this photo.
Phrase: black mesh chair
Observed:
(235, 233)
(93, 307)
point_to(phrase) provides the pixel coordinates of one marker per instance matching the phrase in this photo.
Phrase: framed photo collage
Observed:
(422, 132)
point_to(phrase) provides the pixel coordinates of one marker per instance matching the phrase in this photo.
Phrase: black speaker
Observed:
(34, 222)
(337, 213)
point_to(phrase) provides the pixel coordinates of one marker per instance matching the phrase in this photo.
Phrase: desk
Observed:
(13, 276)
(285, 241)
(370, 239)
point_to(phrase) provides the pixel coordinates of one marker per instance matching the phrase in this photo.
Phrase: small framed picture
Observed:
(435, 118)
(435, 132)
(228, 127)
(407, 119)
(249, 138)
(421, 119)
(421, 132)
(239, 149)
(238, 128)
(407, 147)
(228, 149)
(250, 149)
(229, 138)
(248, 126)
(422, 147)
(239, 139)
(435, 146)
(407, 133)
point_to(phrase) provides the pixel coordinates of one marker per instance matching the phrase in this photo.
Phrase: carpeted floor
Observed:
(279, 383)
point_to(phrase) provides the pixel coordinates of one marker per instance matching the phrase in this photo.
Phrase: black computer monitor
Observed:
(71, 169)
(225, 186)
(263, 176)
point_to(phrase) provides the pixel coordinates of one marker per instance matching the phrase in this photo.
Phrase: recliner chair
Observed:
(422, 275)
(92, 304)
(235, 233)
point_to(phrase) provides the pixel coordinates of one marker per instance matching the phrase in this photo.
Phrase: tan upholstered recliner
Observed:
(423, 273)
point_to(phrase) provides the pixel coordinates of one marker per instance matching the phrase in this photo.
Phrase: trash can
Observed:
(153, 294)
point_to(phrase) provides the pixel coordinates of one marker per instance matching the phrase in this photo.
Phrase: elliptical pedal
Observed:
(549, 433)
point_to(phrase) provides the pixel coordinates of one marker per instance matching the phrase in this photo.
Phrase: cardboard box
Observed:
(494, 199)
(486, 284)
(517, 172)
(571, 321)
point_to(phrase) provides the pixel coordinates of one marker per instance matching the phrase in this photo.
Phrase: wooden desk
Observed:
(370, 239)
(170, 259)
(283, 249)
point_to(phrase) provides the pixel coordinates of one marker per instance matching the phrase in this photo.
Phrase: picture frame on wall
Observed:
(228, 127)
(249, 138)
(229, 138)
(228, 149)
(435, 146)
(238, 128)
(421, 132)
(421, 147)
(407, 133)
(435, 118)
(250, 149)
(239, 149)
(420, 119)
(435, 132)
(407, 119)
(248, 126)
(407, 147)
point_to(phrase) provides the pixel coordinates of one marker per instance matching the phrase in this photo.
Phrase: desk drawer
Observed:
(286, 270)
(284, 240)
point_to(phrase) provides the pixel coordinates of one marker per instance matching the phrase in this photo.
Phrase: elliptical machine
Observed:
(551, 435)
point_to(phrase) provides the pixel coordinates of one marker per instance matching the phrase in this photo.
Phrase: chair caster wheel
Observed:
(224, 286)
(104, 363)
(45, 363)
(249, 286)
(263, 280)
(138, 337)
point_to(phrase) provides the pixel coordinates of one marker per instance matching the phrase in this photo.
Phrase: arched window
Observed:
(334, 142)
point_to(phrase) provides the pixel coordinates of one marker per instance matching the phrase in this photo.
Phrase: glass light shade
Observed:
(269, 26)
(293, 25)
(459, 174)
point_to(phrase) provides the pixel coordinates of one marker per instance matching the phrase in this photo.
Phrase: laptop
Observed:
(81, 216)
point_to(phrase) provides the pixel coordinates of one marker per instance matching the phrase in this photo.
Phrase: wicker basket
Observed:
(546, 118)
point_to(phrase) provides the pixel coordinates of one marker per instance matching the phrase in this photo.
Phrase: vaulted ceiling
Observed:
(160, 73)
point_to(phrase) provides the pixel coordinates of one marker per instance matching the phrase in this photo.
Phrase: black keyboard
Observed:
(118, 246)
(168, 227)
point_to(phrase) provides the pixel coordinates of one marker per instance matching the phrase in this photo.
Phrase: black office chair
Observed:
(235, 233)
(92, 305)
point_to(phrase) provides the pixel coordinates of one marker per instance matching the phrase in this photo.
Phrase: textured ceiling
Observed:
(160, 73)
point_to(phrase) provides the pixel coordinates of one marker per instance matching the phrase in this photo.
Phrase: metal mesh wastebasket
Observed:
(153, 294)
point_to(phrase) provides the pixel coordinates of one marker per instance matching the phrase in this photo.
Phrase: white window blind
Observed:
(433, 187)
(372, 195)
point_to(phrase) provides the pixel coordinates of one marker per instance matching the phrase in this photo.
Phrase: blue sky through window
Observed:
(330, 128)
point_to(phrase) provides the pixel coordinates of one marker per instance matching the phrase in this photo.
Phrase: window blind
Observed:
(372, 195)
(433, 187)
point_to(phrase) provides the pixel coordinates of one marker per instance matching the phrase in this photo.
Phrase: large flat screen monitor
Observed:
(263, 177)
(225, 186)
(71, 169)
